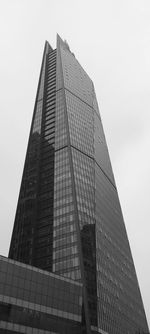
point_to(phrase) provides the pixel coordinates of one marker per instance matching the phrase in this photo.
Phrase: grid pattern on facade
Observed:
(84, 181)
(32, 296)
(69, 219)
(44, 216)
(119, 301)
(61, 139)
(81, 124)
(65, 246)
(101, 150)
(75, 78)
(24, 230)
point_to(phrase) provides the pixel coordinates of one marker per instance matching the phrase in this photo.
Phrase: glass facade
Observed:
(68, 219)
(65, 245)
(36, 301)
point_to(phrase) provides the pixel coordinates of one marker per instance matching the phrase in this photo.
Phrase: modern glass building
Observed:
(68, 220)
(34, 301)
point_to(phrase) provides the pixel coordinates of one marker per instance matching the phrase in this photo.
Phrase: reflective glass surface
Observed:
(60, 122)
(100, 149)
(65, 246)
(75, 78)
(81, 124)
(33, 232)
(69, 219)
(35, 300)
(120, 306)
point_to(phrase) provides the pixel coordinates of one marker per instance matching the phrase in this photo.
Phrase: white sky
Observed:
(111, 40)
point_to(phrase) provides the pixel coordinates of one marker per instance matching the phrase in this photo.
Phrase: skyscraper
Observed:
(68, 219)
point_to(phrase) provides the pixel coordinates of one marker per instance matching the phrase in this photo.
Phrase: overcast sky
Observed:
(111, 40)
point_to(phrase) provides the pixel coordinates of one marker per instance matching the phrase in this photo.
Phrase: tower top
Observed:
(67, 45)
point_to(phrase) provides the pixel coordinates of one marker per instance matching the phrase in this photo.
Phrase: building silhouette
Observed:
(68, 220)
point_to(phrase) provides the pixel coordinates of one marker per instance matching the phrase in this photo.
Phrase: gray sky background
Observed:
(111, 40)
